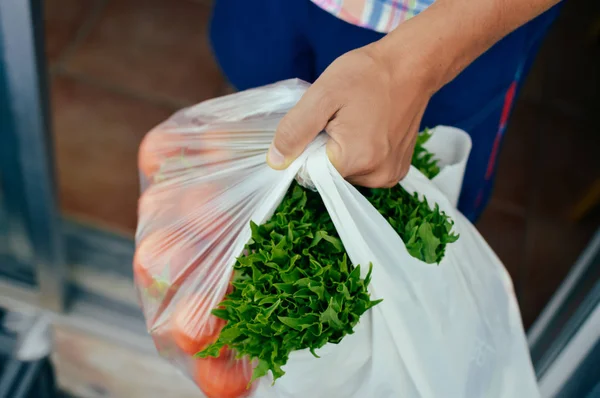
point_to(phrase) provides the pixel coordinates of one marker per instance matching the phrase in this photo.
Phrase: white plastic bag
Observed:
(447, 330)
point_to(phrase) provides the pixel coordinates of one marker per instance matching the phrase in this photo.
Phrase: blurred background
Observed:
(82, 81)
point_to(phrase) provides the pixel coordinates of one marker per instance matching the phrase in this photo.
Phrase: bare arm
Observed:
(451, 34)
(371, 100)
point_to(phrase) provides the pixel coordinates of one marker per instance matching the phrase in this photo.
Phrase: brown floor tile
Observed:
(505, 233)
(155, 47)
(97, 134)
(516, 165)
(63, 18)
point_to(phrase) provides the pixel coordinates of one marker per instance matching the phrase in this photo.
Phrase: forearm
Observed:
(451, 34)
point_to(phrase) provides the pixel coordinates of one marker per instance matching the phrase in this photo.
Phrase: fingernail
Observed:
(275, 158)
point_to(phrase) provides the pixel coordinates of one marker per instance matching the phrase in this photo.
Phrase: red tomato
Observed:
(176, 206)
(230, 286)
(199, 205)
(157, 205)
(162, 341)
(193, 326)
(157, 146)
(163, 260)
(201, 208)
(160, 145)
(224, 377)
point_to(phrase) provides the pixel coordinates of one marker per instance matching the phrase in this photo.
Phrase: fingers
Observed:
(392, 168)
(374, 180)
(301, 125)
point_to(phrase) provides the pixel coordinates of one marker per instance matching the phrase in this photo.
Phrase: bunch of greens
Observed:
(425, 232)
(422, 159)
(294, 289)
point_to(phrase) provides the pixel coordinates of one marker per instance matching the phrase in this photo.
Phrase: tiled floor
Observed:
(121, 66)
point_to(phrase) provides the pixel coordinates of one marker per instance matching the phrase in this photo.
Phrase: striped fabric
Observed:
(379, 15)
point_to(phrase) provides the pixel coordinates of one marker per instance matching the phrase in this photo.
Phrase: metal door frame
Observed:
(43, 244)
(27, 163)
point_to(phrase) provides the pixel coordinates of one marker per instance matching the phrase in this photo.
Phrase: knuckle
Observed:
(369, 165)
(390, 184)
(403, 170)
(377, 155)
(366, 182)
(378, 181)
(389, 178)
(370, 159)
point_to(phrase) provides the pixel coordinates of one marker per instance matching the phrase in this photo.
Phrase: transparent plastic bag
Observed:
(448, 330)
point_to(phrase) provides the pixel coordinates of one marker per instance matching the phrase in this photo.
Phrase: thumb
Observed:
(300, 126)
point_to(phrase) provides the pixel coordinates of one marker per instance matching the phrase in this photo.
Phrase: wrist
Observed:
(436, 45)
(416, 51)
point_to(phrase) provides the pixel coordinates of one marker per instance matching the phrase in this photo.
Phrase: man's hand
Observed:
(370, 101)
(372, 121)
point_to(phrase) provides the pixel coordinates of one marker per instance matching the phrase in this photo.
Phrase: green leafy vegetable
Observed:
(422, 159)
(424, 231)
(295, 289)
